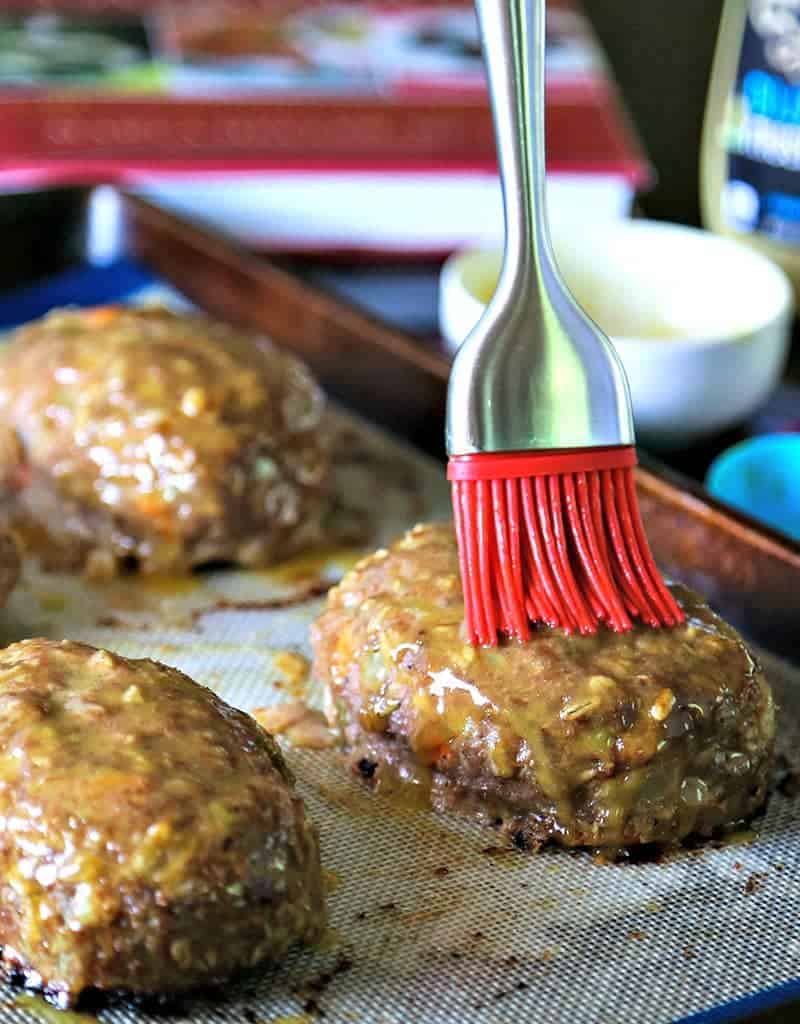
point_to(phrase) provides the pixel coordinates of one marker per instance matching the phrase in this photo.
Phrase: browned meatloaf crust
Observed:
(156, 441)
(9, 566)
(151, 836)
(608, 740)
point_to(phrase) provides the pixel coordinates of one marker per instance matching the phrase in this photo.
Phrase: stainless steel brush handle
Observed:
(535, 372)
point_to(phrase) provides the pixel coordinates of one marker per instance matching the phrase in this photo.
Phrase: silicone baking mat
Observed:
(433, 919)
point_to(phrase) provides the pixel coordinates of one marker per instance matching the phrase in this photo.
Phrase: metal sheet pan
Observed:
(432, 918)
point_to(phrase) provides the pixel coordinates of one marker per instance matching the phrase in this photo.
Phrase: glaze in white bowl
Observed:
(702, 323)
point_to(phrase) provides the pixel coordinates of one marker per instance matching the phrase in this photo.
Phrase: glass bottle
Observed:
(750, 162)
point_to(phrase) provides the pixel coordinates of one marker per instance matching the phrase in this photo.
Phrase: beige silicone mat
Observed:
(433, 920)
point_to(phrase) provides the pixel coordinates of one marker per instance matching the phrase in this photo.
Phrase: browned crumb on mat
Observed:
(316, 588)
(301, 725)
(109, 622)
(294, 669)
(142, 626)
(496, 851)
(755, 882)
(314, 988)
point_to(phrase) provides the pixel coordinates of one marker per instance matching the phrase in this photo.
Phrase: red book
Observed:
(362, 101)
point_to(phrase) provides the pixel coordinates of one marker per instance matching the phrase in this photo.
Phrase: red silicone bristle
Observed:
(515, 551)
(460, 501)
(591, 510)
(509, 582)
(537, 561)
(554, 538)
(564, 558)
(669, 612)
(586, 567)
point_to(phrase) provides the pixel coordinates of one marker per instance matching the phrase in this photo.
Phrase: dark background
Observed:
(661, 52)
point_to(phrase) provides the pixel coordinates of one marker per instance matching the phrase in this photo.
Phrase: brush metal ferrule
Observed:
(536, 372)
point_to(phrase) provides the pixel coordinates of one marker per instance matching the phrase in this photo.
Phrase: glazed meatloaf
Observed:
(608, 740)
(145, 439)
(151, 836)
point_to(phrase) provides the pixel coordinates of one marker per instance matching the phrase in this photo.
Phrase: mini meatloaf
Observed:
(151, 838)
(144, 439)
(608, 740)
(9, 566)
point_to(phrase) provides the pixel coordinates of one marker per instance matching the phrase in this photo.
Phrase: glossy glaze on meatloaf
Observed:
(151, 835)
(145, 439)
(608, 740)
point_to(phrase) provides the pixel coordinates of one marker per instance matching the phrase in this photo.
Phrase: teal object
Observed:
(761, 477)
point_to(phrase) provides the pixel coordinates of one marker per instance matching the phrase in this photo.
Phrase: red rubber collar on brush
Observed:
(554, 537)
(515, 465)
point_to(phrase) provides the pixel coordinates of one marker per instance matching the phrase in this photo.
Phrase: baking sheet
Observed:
(433, 919)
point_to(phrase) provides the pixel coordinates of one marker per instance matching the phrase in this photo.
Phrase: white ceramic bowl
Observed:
(702, 323)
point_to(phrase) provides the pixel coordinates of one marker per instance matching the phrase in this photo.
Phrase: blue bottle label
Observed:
(762, 131)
